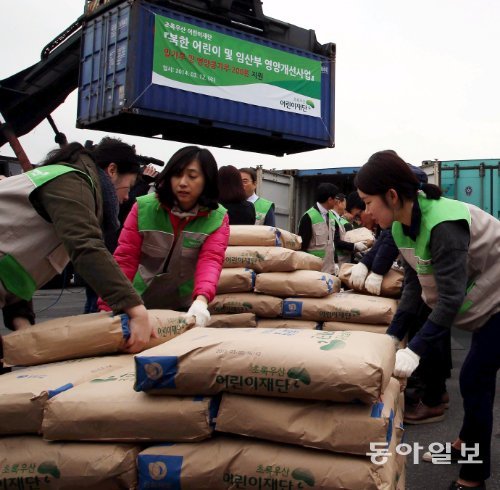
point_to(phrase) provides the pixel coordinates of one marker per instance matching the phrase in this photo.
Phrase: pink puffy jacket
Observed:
(210, 259)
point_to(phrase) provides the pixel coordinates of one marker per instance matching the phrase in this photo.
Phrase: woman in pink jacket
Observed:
(173, 242)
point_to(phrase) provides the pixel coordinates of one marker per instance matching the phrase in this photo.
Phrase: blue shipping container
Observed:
(118, 91)
(474, 181)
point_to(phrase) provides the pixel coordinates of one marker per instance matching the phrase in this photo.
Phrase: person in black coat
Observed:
(232, 197)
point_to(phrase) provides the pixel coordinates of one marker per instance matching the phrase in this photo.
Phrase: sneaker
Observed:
(457, 486)
(422, 414)
(455, 455)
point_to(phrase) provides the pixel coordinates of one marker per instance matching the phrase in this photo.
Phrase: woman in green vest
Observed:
(173, 242)
(57, 213)
(451, 256)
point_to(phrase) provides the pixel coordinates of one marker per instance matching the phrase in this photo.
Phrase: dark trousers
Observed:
(429, 379)
(477, 386)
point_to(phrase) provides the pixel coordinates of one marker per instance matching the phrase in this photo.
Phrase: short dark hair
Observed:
(387, 170)
(326, 190)
(230, 185)
(250, 171)
(177, 163)
(354, 201)
(109, 150)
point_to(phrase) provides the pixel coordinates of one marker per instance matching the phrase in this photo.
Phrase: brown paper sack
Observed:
(309, 364)
(312, 284)
(24, 392)
(107, 408)
(339, 427)
(288, 239)
(271, 259)
(68, 466)
(360, 235)
(357, 327)
(346, 307)
(230, 463)
(84, 336)
(285, 323)
(253, 235)
(259, 304)
(238, 280)
(236, 320)
(392, 283)
(263, 236)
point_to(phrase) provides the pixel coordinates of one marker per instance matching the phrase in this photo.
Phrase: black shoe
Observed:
(456, 486)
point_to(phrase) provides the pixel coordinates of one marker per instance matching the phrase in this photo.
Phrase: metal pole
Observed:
(16, 146)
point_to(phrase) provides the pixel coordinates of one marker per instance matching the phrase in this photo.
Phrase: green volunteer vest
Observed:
(319, 228)
(16, 278)
(159, 244)
(262, 207)
(417, 252)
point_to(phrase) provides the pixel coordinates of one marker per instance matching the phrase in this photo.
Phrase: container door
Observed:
(277, 187)
(472, 181)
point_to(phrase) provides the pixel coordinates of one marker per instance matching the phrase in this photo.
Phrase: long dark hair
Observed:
(109, 150)
(177, 163)
(387, 170)
(230, 185)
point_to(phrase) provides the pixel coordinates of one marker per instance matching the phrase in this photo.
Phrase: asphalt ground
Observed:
(419, 475)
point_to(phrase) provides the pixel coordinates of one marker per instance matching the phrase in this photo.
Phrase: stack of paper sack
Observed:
(299, 409)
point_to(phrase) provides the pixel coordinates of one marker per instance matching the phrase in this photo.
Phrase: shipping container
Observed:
(293, 191)
(472, 181)
(152, 71)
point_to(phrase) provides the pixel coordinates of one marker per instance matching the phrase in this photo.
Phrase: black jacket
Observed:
(240, 213)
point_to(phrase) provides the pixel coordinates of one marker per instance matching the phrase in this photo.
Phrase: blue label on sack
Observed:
(62, 388)
(292, 308)
(159, 471)
(377, 410)
(389, 427)
(278, 241)
(254, 276)
(155, 372)
(125, 326)
(213, 409)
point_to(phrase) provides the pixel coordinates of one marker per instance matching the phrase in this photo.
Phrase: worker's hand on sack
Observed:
(140, 329)
(360, 247)
(373, 283)
(199, 309)
(20, 323)
(358, 276)
(406, 362)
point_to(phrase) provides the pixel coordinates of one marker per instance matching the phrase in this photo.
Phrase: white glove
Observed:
(406, 362)
(373, 283)
(360, 247)
(358, 276)
(336, 270)
(199, 309)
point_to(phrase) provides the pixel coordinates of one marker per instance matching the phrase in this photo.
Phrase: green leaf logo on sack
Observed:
(310, 103)
(153, 370)
(299, 374)
(303, 474)
(334, 344)
(100, 380)
(49, 468)
(157, 470)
